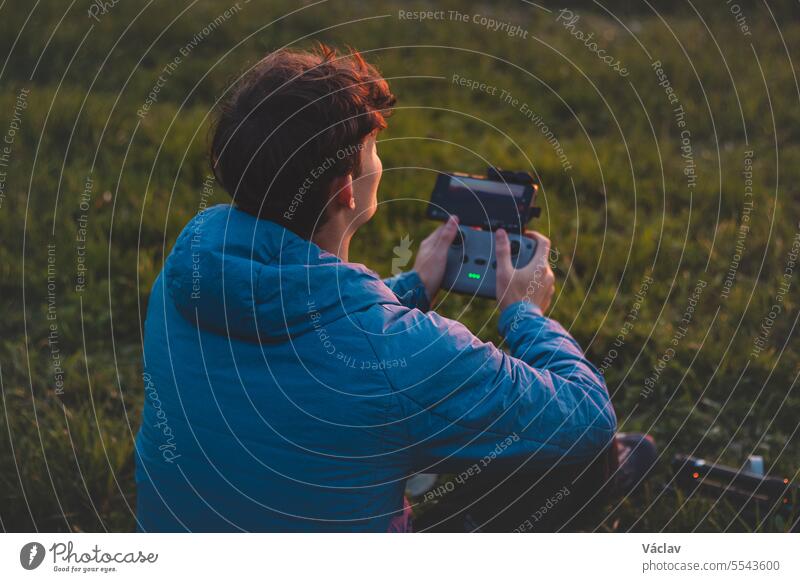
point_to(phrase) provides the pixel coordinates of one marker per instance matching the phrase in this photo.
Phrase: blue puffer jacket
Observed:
(286, 390)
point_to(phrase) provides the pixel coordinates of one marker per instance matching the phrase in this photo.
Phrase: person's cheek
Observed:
(378, 174)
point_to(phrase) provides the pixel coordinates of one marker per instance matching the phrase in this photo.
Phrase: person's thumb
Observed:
(448, 232)
(503, 252)
(542, 254)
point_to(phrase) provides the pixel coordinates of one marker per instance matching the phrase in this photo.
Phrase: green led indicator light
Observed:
(474, 275)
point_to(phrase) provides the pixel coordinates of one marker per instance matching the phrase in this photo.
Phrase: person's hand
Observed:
(432, 256)
(534, 282)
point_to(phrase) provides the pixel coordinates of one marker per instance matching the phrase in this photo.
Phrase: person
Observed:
(289, 389)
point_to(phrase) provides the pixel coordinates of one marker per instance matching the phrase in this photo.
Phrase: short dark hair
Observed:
(291, 125)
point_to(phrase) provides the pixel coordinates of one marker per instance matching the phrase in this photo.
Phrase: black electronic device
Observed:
(740, 486)
(501, 199)
(483, 204)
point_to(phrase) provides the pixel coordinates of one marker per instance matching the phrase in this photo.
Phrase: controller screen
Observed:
(479, 202)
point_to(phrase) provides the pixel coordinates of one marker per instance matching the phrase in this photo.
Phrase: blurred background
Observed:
(664, 136)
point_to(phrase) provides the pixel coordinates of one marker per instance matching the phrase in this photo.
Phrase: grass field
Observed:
(669, 167)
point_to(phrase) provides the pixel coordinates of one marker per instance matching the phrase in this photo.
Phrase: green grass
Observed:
(621, 213)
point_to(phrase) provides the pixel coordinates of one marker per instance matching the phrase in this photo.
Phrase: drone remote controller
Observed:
(484, 204)
(471, 263)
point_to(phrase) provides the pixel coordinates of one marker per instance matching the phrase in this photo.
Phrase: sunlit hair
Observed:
(293, 114)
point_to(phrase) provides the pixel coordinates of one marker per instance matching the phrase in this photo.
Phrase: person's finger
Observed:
(433, 238)
(447, 232)
(502, 251)
(542, 247)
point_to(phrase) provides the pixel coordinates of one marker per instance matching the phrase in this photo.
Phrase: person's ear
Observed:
(343, 186)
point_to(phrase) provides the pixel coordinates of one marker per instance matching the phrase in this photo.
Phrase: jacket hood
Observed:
(253, 279)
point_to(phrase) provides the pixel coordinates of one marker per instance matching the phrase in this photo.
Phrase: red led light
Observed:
(695, 475)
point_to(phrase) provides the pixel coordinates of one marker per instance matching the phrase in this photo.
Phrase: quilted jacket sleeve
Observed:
(409, 290)
(465, 401)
